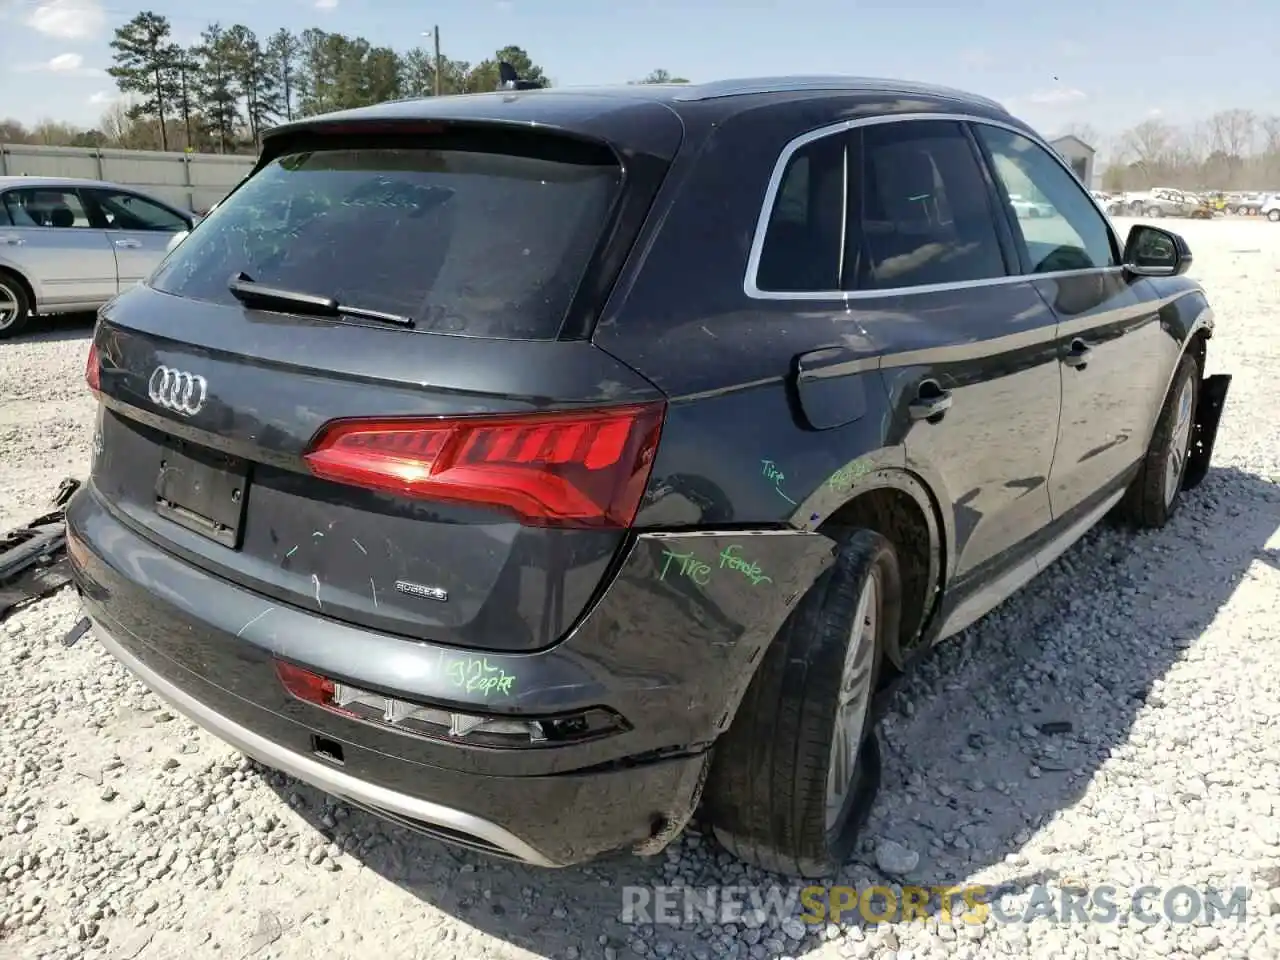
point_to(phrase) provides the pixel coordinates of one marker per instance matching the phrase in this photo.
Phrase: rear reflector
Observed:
(91, 365)
(581, 468)
(438, 723)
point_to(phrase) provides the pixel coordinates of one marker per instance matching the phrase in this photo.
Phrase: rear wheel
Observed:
(792, 780)
(1273, 216)
(1154, 494)
(14, 307)
(1154, 212)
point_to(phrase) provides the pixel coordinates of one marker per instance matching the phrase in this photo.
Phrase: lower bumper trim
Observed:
(401, 806)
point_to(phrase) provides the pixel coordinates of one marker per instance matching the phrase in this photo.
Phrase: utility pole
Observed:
(435, 31)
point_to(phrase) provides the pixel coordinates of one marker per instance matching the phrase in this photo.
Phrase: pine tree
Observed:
(282, 55)
(216, 92)
(144, 64)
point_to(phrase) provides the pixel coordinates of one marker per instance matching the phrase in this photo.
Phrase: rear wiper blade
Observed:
(249, 292)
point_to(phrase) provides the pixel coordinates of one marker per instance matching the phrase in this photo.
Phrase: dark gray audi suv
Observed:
(536, 468)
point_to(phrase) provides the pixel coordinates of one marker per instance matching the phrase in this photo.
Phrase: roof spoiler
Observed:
(508, 79)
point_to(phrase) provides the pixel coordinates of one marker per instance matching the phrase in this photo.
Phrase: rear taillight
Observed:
(585, 468)
(91, 366)
(306, 685)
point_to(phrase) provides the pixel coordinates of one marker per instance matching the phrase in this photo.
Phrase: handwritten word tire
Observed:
(769, 792)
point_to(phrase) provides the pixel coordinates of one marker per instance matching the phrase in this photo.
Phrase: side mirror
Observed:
(1152, 252)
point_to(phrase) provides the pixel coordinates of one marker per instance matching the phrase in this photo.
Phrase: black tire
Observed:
(1146, 503)
(13, 292)
(766, 794)
(1273, 216)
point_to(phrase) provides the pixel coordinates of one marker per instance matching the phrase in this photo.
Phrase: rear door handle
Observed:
(931, 403)
(1079, 355)
(12, 241)
(131, 244)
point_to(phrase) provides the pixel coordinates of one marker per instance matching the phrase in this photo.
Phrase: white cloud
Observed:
(104, 98)
(65, 62)
(1056, 96)
(68, 19)
(326, 4)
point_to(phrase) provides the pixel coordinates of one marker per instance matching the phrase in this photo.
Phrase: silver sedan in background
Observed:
(71, 245)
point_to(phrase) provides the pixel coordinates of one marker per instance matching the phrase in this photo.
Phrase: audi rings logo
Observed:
(177, 390)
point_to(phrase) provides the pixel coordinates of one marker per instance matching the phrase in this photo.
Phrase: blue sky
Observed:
(1053, 64)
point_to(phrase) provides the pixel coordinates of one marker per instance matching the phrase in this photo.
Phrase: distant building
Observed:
(1079, 155)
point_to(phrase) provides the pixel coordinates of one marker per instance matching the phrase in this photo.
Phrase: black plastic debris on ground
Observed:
(33, 559)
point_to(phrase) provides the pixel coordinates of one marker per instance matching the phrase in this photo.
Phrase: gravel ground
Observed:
(1117, 723)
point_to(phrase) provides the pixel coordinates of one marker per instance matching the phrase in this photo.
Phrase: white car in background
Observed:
(179, 237)
(1029, 209)
(1271, 208)
(71, 245)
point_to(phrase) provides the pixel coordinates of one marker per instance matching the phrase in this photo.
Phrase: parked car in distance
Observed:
(1270, 208)
(1247, 204)
(486, 479)
(1117, 205)
(70, 245)
(1029, 208)
(1164, 202)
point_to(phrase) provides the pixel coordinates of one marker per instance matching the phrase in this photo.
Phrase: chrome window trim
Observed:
(845, 126)
(844, 208)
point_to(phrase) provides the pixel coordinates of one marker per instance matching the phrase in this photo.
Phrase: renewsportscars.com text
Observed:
(973, 904)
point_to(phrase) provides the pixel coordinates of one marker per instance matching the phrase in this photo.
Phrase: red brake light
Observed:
(305, 685)
(91, 369)
(576, 468)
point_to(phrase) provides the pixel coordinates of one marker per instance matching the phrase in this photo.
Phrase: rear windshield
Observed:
(465, 242)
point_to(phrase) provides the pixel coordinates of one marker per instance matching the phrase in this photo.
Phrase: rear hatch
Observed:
(362, 386)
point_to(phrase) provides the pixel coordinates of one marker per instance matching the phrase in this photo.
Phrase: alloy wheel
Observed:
(1179, 446)
(853, 702)
(8, 307)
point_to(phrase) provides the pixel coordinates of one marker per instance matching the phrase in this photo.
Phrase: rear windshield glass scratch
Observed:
(464, 242)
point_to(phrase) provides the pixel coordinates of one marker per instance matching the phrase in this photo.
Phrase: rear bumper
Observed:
(670, 655)
(318, 773)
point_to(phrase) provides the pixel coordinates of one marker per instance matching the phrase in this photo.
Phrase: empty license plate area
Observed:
(202, 490)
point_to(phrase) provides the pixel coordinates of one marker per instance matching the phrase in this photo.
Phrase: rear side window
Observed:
(45, 207)
(923, 210)
(464, 241)
(914, 209)
(801, 250)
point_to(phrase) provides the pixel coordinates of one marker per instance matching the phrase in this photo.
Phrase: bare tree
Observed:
(1150, 144)
(1270, 127)
(1233, 132)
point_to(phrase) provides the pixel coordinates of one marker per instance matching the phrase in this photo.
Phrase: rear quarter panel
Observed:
(16, 265)
(734, 448)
